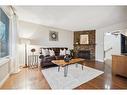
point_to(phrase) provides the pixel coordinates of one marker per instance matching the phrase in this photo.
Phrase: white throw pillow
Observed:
(45, 52)
(61, 52)
(64, 52)
(68, 52)
(52, 53)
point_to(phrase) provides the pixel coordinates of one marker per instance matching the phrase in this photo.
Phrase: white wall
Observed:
(100, 37)
(112, 45)
(40, 35)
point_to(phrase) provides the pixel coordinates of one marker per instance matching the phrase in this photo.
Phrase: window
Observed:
(4, 34)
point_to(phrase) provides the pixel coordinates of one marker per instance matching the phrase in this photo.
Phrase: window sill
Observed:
(4, 60)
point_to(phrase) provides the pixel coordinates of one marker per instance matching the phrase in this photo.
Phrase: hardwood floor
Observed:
(34, 79)
(26, 79)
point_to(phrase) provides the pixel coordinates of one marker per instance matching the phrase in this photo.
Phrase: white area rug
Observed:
(75, 77)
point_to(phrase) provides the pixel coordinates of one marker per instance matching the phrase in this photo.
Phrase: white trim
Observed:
(3, 81)
(4, 61)
(7, 11)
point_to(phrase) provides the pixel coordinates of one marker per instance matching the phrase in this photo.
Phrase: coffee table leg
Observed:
(82, 66)
(76, 65)
(58, 68)
(65, 70)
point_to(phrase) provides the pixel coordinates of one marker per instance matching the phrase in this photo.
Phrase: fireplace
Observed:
(85, 54)
(86, 51)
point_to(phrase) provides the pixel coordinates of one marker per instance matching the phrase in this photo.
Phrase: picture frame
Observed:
(84, 39)
(53, 36)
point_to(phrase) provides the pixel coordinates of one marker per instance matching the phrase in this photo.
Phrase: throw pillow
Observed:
(62, 52)
(68, 52)
(45, 52)
(52, 53)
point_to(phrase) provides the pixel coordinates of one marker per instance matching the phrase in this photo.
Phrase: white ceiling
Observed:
(73, 18)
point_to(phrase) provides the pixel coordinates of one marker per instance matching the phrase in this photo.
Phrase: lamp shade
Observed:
(24, 41)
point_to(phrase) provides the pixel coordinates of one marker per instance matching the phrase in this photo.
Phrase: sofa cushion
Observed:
(48, 59)
(60, 57)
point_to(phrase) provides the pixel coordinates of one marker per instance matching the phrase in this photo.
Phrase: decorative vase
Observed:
(67, 58)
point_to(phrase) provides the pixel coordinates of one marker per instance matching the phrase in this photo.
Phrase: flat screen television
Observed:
(123, 44)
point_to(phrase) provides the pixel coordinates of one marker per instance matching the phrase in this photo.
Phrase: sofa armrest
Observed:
(47, 59)
(41, 56)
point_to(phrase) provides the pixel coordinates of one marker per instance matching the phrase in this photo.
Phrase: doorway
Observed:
(112, 46)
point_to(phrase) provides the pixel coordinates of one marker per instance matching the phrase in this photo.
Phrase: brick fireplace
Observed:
(84, 49)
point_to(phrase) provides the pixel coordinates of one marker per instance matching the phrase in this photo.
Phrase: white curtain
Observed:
(14, 41)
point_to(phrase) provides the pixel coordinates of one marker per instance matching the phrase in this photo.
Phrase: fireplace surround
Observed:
(86, 50)
(85, 54)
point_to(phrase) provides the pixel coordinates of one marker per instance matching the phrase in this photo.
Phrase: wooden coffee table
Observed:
(62, 63)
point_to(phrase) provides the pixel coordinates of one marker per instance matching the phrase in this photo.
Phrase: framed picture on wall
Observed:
(53, 36)
(84, 39)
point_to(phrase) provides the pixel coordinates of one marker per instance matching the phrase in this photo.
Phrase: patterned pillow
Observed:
(52, 53)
